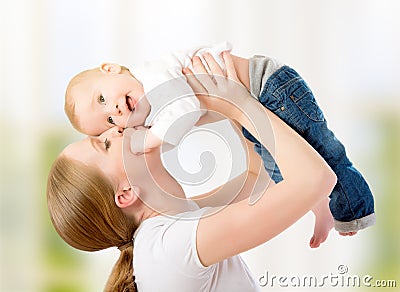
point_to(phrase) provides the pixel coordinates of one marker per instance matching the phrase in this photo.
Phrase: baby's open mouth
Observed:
(130, 103)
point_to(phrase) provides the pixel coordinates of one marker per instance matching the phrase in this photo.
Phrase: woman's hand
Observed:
(308, 179)
(218, 90)
(222, 92)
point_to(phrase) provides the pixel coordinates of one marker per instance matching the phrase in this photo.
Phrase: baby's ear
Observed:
(110, 68)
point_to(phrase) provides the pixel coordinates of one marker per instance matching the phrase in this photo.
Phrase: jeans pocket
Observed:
(305, 101)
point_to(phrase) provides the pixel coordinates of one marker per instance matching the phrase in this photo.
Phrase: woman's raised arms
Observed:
(308, 179)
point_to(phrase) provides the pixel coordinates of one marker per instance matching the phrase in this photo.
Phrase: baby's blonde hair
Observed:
(69, 103)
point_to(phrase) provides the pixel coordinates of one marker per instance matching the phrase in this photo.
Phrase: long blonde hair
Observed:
(80, 200)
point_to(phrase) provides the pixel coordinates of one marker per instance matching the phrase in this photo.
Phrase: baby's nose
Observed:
(117, 110)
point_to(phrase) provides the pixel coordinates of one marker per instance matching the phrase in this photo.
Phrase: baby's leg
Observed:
(288, 96)
(269, 163)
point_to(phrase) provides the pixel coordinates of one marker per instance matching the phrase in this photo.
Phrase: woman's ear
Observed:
(110, 68)
(127, 196)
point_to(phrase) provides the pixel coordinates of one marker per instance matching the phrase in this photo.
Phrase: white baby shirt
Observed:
(174, 107)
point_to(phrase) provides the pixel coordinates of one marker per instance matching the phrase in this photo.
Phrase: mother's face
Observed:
(106, 152)
(110, 153)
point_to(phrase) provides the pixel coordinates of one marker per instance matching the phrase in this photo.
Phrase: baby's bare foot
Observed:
(350, 233)
(323, 223)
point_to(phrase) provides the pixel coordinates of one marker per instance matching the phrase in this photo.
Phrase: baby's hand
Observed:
(138, 141)
(142, 140)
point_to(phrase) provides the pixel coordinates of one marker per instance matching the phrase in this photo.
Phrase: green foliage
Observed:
(385, 259)
(63, 265)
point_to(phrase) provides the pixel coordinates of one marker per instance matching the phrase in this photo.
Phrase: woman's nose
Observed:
(117, 131)
(112, 132)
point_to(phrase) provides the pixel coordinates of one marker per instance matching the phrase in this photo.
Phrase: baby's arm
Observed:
(143, 140)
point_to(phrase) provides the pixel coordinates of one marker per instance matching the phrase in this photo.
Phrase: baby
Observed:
(152, 98)
(157, 97)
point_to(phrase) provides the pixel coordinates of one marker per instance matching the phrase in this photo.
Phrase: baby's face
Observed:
(107, 99)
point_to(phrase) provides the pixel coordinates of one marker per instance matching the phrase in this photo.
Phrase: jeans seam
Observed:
(347, 198)
(281, 88)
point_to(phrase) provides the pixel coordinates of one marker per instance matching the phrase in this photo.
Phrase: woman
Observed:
(179, 247)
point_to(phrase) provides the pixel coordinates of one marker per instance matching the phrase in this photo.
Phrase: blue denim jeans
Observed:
(287, 95)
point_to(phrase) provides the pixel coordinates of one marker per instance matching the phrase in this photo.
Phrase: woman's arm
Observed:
(308, 179)
(242, 70)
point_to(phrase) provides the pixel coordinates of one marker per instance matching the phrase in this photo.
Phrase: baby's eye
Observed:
(102, 99)
(110, 120)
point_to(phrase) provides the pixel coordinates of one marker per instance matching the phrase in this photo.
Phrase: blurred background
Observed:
(347, 51)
